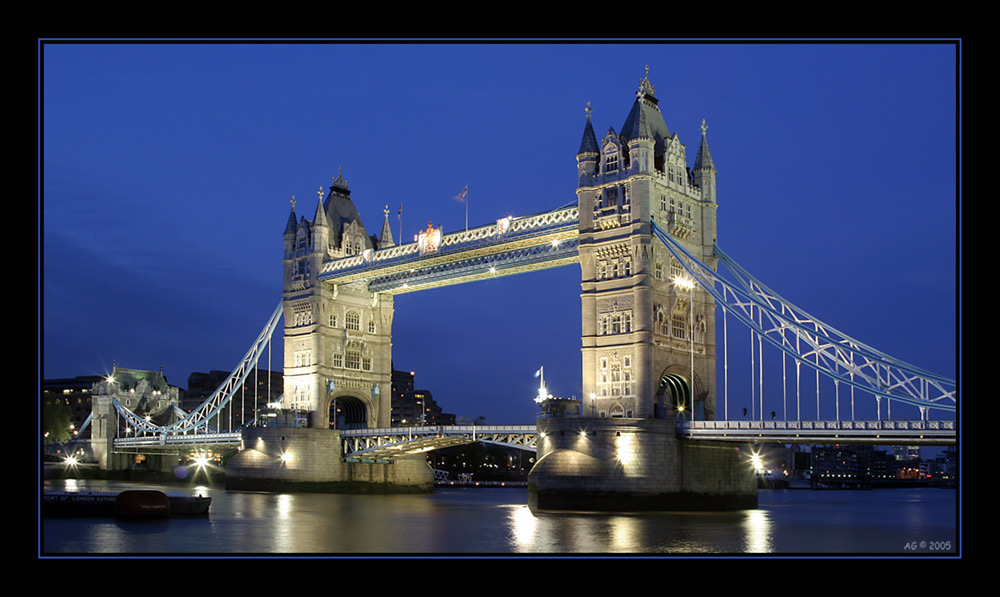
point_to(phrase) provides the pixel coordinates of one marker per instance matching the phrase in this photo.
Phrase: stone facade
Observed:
(647, 339)
(337, 341)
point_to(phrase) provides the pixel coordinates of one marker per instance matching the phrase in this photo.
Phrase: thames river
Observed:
(484, 522)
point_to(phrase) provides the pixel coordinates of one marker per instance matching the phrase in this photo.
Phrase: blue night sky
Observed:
(167, 171)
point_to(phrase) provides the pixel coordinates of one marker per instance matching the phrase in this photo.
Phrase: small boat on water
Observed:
(133, 503)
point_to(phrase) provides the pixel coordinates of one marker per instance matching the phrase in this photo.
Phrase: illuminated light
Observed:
(286, 457)
(583, 434)
(686, 283)
(493, 269)
(70, 461)
(626, 449)
(555, 243)
(756, 461)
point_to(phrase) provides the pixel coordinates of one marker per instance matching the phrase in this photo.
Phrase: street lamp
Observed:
(688, 283)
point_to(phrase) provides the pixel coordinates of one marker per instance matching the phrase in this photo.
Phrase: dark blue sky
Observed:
(168, 169)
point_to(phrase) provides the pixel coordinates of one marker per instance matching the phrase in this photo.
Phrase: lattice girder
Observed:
(810, 341)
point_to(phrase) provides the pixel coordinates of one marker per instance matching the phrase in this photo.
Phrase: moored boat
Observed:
(136, 503)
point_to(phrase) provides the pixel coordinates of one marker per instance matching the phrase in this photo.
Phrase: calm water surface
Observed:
(498, 521)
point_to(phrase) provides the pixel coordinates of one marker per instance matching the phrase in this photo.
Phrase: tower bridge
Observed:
(643, 232)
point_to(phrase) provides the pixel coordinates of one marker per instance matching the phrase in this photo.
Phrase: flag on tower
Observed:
(463, 195)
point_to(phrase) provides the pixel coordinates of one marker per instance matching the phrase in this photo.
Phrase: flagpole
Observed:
(466, 207)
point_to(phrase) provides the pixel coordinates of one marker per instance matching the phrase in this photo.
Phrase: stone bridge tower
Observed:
(647, 338)
(337, 362)
(643, 328)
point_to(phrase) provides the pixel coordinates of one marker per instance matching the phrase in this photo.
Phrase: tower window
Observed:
(352, 320)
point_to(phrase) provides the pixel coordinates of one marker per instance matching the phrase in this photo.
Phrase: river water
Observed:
(498, 522)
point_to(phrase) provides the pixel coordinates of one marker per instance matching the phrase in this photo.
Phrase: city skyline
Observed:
(168, 172)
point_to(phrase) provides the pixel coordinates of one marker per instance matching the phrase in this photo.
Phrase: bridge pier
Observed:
(309, 460)
(605, 464)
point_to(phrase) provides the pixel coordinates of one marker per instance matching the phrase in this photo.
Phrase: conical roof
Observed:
(645, 121)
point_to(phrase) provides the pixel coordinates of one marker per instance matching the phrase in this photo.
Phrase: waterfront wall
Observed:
(636, 464)
(308, 459)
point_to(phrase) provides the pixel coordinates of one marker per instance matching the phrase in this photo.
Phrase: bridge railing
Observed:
(881, 432)
(461, 240)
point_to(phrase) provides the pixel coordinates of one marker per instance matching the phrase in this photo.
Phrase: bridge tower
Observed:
(337, 362)
(648, 337)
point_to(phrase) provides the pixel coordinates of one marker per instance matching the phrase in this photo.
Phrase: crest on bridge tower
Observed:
(429, 240)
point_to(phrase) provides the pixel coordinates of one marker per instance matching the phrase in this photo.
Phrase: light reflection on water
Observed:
(498, 521)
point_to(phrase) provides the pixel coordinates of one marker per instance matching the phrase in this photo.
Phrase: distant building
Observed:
(74, 392)
(853, 462)
(412, 407)
(146, 393)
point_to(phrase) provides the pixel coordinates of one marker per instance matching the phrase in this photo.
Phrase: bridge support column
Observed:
(620, 465)
(309, 460)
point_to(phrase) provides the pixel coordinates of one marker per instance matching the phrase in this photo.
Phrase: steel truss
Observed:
(811, 342)
(402, 441)
(197, 421)
(511, 246)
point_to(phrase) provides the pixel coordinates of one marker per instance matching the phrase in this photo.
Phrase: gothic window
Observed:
(604, 362)
(352, 320)
(614, 269)
(616, 324)
(338, 359)
(366, 363)
(628, 267)
(611, 160)
(663, 202)
(626, 322)
(300, 398)
(658, 270)
(679, 325)
(333, 320)
(610, 197)
(371, 327)
(661, 323)
(352, 360)
(303, 358)
(676, 271)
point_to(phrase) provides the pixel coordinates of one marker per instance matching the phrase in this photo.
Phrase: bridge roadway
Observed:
(376, 444)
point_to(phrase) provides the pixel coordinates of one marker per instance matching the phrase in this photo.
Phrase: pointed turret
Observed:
(589, 142)
(385, 239)
(703, 173)
(590, 150)
(292, 224)
(347, 232)
(645, 120)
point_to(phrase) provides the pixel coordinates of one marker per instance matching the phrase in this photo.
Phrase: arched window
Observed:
(352, 320)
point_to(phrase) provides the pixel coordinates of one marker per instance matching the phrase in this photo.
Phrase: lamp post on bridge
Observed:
(688, 283)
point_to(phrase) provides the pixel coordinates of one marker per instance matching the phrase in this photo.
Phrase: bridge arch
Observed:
(674, 396)
(348, 411)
